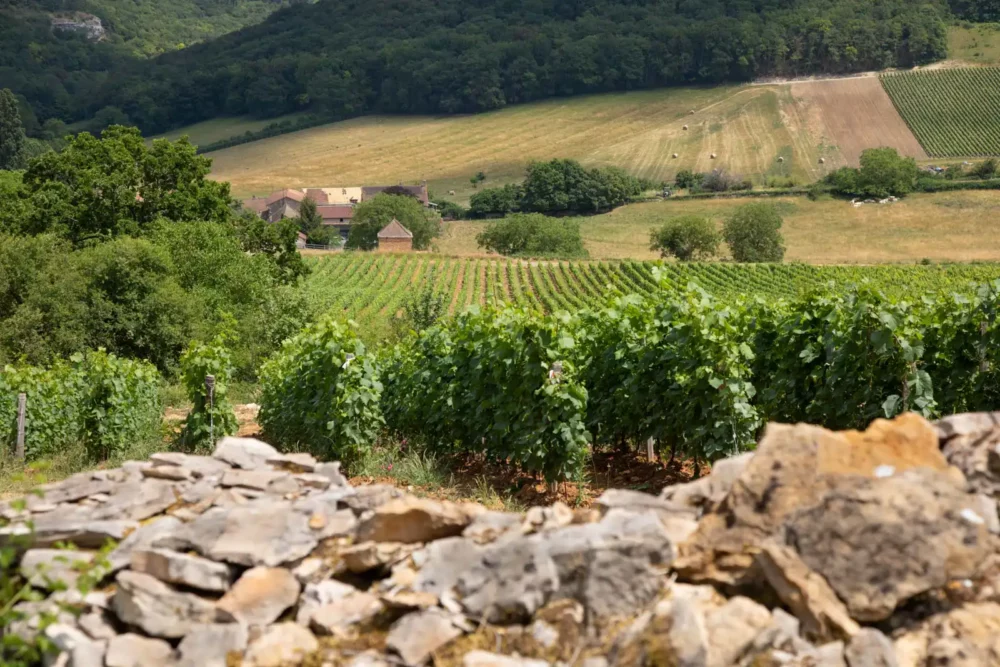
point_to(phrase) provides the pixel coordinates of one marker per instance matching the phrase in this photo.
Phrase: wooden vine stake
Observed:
(650, 451)
(22, 404)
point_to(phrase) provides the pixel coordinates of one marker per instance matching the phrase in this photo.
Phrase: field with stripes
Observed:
(952, 112)
(371, 288)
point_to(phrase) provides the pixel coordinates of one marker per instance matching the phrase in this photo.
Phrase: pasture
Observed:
(748, 128)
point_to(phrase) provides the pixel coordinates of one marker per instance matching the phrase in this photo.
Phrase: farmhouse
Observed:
(394, 237)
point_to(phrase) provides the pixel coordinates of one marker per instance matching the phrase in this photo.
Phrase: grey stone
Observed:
(368, 556)
(703, 495)
(81, 650)
(491, 526)
(47, 568)
(272, 481)
(732, 629)
(485, 659)
(71, 489)
(261, 595)
(143, 537)
(967, 424)
(297, 463)
(263, 532)
(870, 648)
(174, 567)
(158, 609)
(30, 616)
(369, 659)
(246, 453)
(138, 500)
(986, 507)
(320, 594)
(281, 645)
(169, 473)
(337, 617)
(688, 636)
(310, 480)
(208, 645)
(97, 625)
(82, 533)
(201, 466)
(131, 650)
(367, 498)
(416, 636)
(332, 472)
(414, 520)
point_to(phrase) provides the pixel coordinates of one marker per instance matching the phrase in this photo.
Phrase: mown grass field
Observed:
(748, 128)
(975, 44)
(947, 227)
(953, 112)
(371, 288)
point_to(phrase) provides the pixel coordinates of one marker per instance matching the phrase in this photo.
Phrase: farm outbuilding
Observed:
(394, 237)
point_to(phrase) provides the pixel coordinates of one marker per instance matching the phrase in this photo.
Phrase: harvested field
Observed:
(854, 114)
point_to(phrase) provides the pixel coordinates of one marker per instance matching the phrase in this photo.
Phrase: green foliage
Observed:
(450, 210)
(986, 169)
(424, 309)
(477, 179)
(118, 185)
(12, 147)
(883, 173)
(310, 220)
(533, 234)
(688, 180)
(210, 418)
(753, 233)
(686, 237)
(492, 202)
(564, 185)
(372, 216)
(273, 240)
(502, 383)
(104, 401)
(321, 392)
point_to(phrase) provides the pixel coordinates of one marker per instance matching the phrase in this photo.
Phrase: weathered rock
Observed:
(246, 453)
(412, 520)
(613, 567)
(168, 473)
(136, 501)
(130, 650)
(416, 636)
(177, 568)
(367, 556)
(142, 538)
(310, 480)
(282, 645)
(975, 452)
(732, 628)
(332, 472)
(298, 463)
(366, 498)
(792, 469)
(967, 424)
(870, 648)
(963, 637)
(490, 526)
(47, 568)
(369, 659)
(82, 533)
(338, 617)
(823, 616)
(261, 595)
(209, 645)
(702, 495)
(71, 489)
(441, 563)
(97, 625)
(540, 519)
(81, 650)
(896, 538)
(485, 659)
(271, 481)
(263, 532)
(200, 466)
(158, 609)
(320, 594)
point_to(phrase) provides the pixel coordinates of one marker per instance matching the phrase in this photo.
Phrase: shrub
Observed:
(321, 392)
(753, 233)
(687, 237)
(52, 410)
(208, 420)
(490, 202)
(565, 185)
(883, 173)
(719, 180)
(986, 169)
(533, 234)
(688, 179)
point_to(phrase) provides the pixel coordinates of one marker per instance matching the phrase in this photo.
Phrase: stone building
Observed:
(394, 237)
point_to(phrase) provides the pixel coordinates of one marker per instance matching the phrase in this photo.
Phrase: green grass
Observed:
(977, 44)
(219, 129)
(952, 112)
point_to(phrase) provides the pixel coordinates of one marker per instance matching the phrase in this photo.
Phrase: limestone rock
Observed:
(173, 567)
(732, 629)
(338, 617)
(321, 594)
(807, 594)
(130, 650)
(540, 519)
(870, 648)
(969, 424)
(81, 650)
(702, 495)
(411, 520)
(976, 453)
(246, 453)
(281, 645)
(416, 636)
(97, 625)
(485, 659)
(332, 472)
(366, 498)
(965, 636)
(442, 562)
(261, 595)
(297, 463)
(158, 609)
(490, 526)
(367, 556)
(896, 538)
(272, 481)
(200, 466)
(793, 467)
(47, 568)
(82, 533)
(142, 538)
(71, 489)
(208, 645)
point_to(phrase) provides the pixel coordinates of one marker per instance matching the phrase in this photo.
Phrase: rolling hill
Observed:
(748, 128)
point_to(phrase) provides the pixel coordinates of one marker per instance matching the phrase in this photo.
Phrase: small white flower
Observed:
(884, 471)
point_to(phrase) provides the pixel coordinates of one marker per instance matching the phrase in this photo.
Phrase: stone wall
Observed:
(820, 549)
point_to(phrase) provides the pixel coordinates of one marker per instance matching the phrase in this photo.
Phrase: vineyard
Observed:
(371, 288)
(953, 112)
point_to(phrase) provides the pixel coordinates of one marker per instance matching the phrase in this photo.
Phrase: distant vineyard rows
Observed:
(371, 288)
(952, 112)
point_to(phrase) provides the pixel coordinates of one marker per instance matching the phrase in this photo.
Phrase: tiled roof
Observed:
(317, 195)
(257, 205)
(335, 211)
(394, 230)
(287, 193)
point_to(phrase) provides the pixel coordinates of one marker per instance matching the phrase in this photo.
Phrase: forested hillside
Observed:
(55, 68)
(342, 58)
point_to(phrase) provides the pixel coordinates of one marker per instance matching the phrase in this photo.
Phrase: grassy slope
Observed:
(958, 227)
(976, 44)
(748, 127)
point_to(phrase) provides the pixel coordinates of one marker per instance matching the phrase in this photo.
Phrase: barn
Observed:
(394, 237)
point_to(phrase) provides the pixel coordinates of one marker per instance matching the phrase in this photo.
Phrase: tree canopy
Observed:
(753, 233)
(372, 216)
(12, 150)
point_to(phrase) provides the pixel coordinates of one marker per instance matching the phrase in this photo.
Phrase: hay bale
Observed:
(822, 160)
(676, 156)
(685, 128)
(781, 159)
(714, 156)
(691, 112)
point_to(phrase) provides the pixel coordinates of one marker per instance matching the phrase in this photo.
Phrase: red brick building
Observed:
(394, 237)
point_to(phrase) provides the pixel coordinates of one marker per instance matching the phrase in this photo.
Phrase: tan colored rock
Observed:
(282, 645)
(177, 568)
(965, 636)
(415, 637)
(367, 556)
(823, 616)
(338, 617)
(415, 520)
(211, 645)
(793, 467)
(131, 650)
(732, 628)
(485, 659)
(540, 519)
(261, 595)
